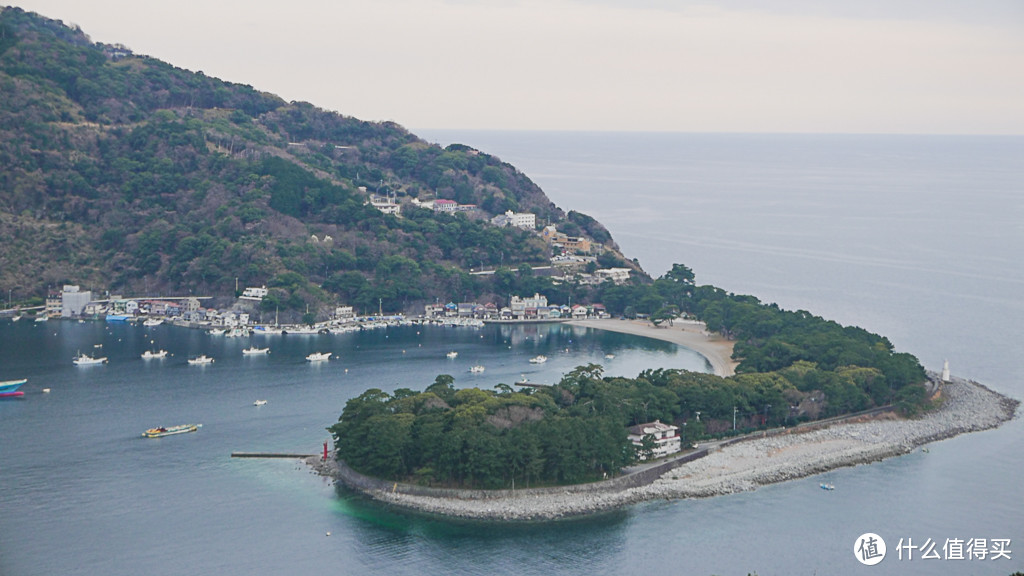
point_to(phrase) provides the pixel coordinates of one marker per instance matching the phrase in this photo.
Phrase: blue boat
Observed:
(117, 318)
(9, 388)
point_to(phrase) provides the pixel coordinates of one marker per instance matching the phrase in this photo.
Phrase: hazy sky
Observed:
(879, 66)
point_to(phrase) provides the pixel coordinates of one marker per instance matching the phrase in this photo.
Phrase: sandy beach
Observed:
(686, 333)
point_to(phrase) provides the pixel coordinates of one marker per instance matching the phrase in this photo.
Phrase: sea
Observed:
(918, 238)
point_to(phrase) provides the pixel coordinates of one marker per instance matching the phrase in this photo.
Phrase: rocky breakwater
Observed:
(756, 461)
(966, 407)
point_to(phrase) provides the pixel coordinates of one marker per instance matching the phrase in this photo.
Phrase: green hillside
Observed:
(123, 173)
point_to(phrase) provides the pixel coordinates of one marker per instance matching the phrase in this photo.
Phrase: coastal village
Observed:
(573, 259)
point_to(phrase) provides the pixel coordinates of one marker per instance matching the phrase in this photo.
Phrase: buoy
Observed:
(328, 533)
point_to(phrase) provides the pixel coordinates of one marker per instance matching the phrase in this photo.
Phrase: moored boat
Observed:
(452, 355)
(318, 356)
(477, 369)
(150, 355)
(200, 360)
(259, 403)
(86, 360)
(827, 486)
(538, 359)
(153, 322)
(253, 351)
(9, 388)
(170, 431)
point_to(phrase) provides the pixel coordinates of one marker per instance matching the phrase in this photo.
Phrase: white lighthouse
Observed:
(945, 372)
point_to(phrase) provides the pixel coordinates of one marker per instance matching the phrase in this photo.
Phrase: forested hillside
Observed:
(123, 173)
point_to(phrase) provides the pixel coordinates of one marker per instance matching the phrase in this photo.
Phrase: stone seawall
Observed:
(735, 465)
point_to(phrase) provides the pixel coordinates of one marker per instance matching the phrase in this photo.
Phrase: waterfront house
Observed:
(665, 436)
(73, 301)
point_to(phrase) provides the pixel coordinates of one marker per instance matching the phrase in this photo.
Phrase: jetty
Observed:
(271, 455)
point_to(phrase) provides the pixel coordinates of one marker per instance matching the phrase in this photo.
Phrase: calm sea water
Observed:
(917, 238)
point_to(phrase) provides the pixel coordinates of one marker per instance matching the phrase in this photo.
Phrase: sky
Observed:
(804, 66)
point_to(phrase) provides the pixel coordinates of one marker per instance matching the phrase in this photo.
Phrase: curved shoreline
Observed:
(968, 407)
(686, 333)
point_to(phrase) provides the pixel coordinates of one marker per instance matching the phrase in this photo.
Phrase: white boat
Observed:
(86, 360)
(236, 332)
(301, 330)
(253, 350)
(452, 355)
(150, 355)
(200, 360)
(216, 332)
(15, 318)
(259, 403)
(538, 359)
(153, 322)
(477, 369)
(609, 356)
(318, 356)
(42, 318)
(267, 330)
(827, 486)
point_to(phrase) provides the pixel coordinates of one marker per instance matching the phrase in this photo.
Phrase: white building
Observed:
(256, 294)
(385, 204)
(443, 205)
(666, 438)
(616, 275)
(73, 301)
(519, 305)
(519, 220)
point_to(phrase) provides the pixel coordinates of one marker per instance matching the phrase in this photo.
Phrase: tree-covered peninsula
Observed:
(794, 367)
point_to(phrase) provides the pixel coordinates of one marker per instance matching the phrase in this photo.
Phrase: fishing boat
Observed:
(153, 322)
(42, 318)
(827, 486)
(200, 360)
(86, 360)
(318, 356)
(150, 355)
(236, 332)
(478, 369)
(259, 403)
(164, 431)
(9, 389)
(609, 356)
(538, 359)
(301, 330)
(267, 330)
(452, 355)
(216, 332)
(253, 351)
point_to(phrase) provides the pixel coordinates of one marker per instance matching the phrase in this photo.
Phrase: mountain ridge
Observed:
(125, 173)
